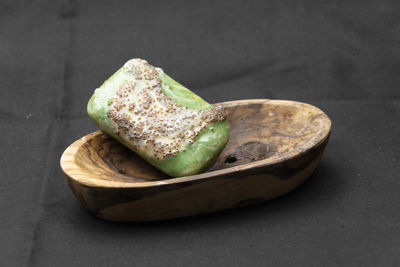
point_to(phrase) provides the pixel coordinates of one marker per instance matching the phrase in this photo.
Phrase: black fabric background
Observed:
(341, 56)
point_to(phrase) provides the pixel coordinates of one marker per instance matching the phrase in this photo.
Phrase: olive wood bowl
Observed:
(274, 147)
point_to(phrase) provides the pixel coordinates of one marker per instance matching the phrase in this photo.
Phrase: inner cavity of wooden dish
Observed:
(258, 131)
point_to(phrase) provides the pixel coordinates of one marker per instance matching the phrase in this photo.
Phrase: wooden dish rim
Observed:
(68, 156)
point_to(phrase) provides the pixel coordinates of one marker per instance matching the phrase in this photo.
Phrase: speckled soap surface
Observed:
(172, 128)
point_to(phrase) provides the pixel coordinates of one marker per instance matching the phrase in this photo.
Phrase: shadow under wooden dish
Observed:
(274, 147)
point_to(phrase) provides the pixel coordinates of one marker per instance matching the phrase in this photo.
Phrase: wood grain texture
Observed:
(274, 147)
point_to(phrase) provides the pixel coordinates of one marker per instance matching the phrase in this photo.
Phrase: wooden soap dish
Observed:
(274, 147)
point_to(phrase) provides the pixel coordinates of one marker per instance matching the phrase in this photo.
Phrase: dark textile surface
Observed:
(342, 56)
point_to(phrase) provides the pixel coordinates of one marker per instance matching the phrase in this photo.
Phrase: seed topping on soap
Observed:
(144, 116)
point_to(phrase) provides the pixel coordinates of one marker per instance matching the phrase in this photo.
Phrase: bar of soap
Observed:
(158, 118)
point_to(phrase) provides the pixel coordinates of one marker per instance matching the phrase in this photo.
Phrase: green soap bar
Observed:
(158, 118)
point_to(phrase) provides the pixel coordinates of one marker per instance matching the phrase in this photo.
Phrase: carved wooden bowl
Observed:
(274, 147)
